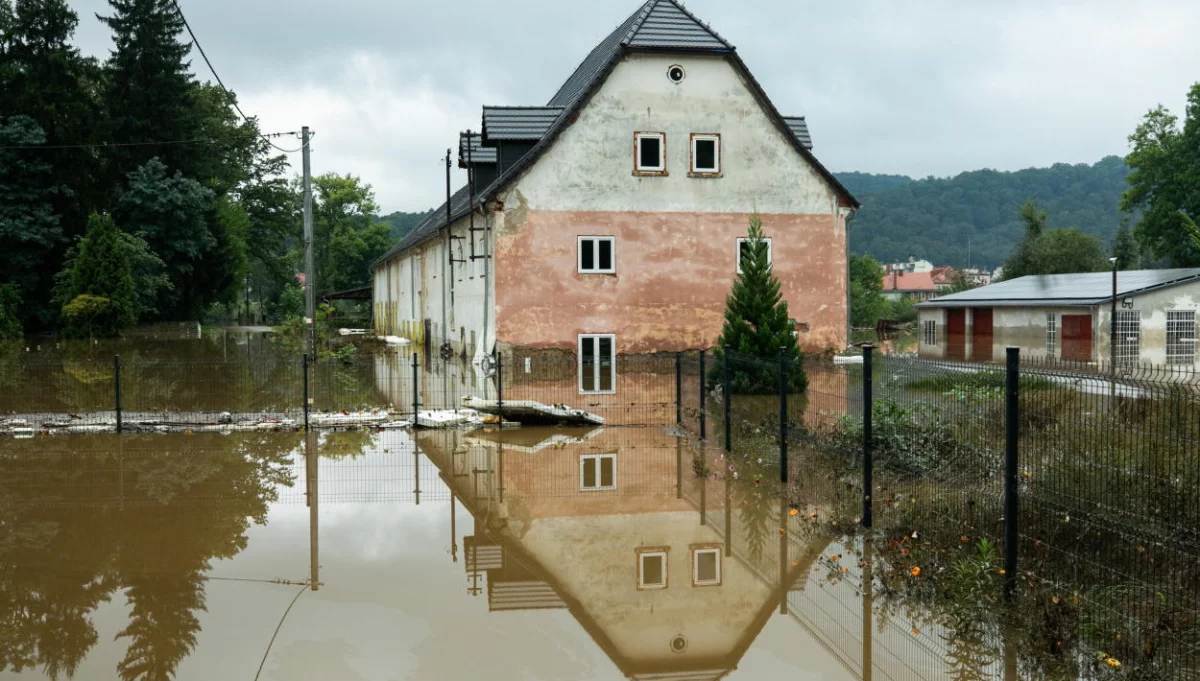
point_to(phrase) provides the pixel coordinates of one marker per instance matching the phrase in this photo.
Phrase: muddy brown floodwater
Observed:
(522, 554)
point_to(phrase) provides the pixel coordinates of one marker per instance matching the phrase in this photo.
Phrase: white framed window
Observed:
(706, 565)
(929, 332)
(743, 251)
(652, 568)
(597, 363)
(1051, 334)
(1129, 337)
(706, 154)
(1181, 337)
(650, 153)
(597, 255)
(597, 472)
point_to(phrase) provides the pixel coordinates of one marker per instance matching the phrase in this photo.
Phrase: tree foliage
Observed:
(1164, 185)
(1052, 251)
(97, 289)
(757, 324)
(939, 219)
(1125, 248)
(867, 303)
(348, 237)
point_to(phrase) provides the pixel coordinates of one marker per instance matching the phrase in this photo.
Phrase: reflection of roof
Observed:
(1088, 288)
(908, 281)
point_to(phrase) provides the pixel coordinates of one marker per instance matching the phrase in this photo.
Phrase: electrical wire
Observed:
(102, 145)
(277, 628)
(232, 97)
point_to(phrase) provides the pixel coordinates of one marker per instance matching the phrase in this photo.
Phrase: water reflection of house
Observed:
(603, 523)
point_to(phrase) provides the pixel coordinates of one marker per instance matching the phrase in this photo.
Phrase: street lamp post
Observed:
(1112, 321)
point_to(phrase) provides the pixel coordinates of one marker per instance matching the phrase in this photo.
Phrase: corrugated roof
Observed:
(657, 24)
(479, 153)
(1088, 288)
(518, 122)
(799, 128)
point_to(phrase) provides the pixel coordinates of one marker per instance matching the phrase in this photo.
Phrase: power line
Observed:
(102, 145)
(232, 97)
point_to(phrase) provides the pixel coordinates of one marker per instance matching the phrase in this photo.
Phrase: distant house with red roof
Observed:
(916, 285)
(943, 277)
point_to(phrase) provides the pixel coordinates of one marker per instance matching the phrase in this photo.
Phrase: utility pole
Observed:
(310, 291)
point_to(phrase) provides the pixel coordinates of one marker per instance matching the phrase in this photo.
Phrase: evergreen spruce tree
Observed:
(757, 326)
(97, 288)
(150, 95)
(1125, 248)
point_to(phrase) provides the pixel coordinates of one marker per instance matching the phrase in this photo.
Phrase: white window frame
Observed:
(696, 551)
(612, 240)
(584, 337)
(597, 458)
(737, 251)
(929, 332)
(1051, 334)
(1129, 337)
(706, 136)
(641, 168)
(642, 555)
(1186, 338)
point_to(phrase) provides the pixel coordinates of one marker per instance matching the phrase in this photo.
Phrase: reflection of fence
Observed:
(1101, 472)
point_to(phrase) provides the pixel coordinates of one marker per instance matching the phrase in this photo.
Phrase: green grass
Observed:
(986, 378)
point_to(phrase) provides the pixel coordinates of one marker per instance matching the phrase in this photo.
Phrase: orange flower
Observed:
(1002, 571)
(1112, 662)
(964, 539)
(834, 556)
(915, 572)
(916, 631)
(794, 511)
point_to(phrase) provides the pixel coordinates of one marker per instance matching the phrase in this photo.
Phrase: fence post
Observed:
(728, 401)
(679, 388)
(306, 369)
(1011, 420)
(783, 418)
(703, 420)
(416, 387)
(500, 385)
(117, 388)
(868, 404)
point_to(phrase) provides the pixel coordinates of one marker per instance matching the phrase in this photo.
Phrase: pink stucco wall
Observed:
(673, 273)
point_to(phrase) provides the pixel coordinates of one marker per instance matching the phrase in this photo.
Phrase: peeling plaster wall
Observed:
(676, 235)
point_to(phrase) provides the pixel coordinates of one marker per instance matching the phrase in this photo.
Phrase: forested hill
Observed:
(934, 218)
(402, 223)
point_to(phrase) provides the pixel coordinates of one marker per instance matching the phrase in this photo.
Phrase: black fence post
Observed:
(783, 418)
(117, 388)
(703, 420)
(1012, 413)
(306, 370)
(416, 387)
(868, 406)
(728, 401)
(679, 388)
(500, 384)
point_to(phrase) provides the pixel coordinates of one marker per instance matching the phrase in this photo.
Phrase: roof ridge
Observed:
(679, 6)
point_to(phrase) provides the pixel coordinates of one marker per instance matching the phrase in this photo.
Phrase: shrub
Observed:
(88, 316)
(10, 321)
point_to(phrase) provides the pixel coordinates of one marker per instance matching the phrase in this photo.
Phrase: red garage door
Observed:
(956, 334)
(1077, 337)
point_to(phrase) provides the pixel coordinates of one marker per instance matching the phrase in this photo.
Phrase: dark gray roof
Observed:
(1050, 290)
(800, 129)
(658, 24)
(429, 226)
(518, 122)
(479, 153)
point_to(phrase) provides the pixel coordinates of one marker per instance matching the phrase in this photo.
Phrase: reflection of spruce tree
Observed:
(162, 627)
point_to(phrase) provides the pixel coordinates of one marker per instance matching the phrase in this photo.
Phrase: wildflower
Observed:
(915, 572)
(1112, 662)
(794, 512)
(1002, 571)
(760, 460)
(964, 539)
(916, 631)
(843, 570)
(834, 556)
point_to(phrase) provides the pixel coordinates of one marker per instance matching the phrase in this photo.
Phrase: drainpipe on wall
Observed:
(849, 322)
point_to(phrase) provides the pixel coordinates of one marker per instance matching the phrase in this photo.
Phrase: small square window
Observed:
(743, 252)
(706, 565)
(706, 155)
(650, 153)
(596, 255)
(597, 472)
(652, 568)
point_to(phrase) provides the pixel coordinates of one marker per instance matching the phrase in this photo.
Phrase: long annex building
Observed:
(611, 219)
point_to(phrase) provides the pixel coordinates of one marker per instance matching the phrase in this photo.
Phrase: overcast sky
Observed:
(933, 87)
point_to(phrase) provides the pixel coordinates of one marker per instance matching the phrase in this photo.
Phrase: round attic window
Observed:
(676, 74)
(678, 644)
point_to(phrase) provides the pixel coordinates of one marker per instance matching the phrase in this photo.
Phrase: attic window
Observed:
(650, 153)
(706, 155)
(675, 73)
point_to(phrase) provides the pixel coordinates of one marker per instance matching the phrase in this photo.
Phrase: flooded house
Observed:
(611, 220)
(1068, 317)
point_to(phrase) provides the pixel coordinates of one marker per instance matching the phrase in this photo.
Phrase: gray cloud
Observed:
(935, 87)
